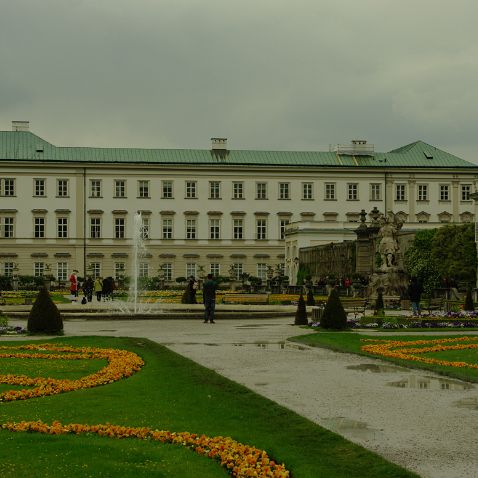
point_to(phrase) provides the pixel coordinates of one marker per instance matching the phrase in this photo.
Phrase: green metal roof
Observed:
(26, 146)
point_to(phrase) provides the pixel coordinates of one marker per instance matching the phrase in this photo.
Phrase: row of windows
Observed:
(7, 188)
(145, 270)
(7, 229)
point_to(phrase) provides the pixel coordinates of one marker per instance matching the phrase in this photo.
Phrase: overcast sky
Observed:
(266, 74)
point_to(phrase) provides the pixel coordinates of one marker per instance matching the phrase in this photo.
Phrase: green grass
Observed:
(351, 342)
(170, 393)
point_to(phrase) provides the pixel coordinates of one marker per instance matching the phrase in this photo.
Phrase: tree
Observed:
(310, 297)
(44, 317)
(334, 316)
(469, 305)
(301, 312)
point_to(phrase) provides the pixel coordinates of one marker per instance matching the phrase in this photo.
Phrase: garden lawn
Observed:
(352, 342)
(169, 393)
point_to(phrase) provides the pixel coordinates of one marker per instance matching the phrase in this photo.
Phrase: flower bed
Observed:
(411, 350)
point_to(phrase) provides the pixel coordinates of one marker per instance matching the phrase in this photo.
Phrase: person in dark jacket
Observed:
(415, 290)
(209, 298)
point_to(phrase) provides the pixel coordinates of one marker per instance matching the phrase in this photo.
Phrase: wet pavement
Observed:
(419, 420)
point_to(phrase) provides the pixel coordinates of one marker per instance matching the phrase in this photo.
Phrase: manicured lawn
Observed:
(352, 342)
(169, 393)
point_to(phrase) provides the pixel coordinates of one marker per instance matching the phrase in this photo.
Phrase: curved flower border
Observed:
(405, 350)
(121, 364)
(239, 460)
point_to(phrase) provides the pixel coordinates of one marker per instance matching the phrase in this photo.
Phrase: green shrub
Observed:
(379, 305)
(44, 317)
(301, 312)
(334, 316)
(469, 306)
(310, 297)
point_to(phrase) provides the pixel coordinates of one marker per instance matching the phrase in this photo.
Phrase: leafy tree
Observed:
(302, 273)
(44, 317)
(310, 297)
(469, 305)
(334, 316)
(301, 312)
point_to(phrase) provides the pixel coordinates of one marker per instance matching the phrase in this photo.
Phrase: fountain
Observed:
(133, 305)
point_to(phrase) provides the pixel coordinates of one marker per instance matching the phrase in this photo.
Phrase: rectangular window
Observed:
(120, 270)
(62, 271)
(120, 188)
(307, 191)
(214, 190)
(400, 192)
(39, 227)
(168, 271)
(261, 271)
(119, 227)
(444, 192)
(352, 192)
(190, 269)
(143, 189)
(422, 192)
(237, 190)
(284, 192)
(214, 229)
(375, 192)
(39, 187)
(6, 227)
(282, 224)
(191, 229)
(465, 192)
(330, 192)
(261, 190)
(238, 269)
(8, 269)
(7, 187)
(62, 188)
(143, 269)
(145, 227)
(238, 229)
(95, 188)
(95, 268)
(167, 189)
(95, 227)
(62, 227)
(191, 189)
(261, 228)
(38, 269)
(215, 269)
(167, 229)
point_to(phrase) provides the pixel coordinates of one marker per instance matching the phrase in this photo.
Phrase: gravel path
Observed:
(419, 420)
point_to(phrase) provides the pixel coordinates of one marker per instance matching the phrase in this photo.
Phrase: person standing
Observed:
(415, 290)
(209, 298)
(74, 284)
(98, 287)
(88, 289)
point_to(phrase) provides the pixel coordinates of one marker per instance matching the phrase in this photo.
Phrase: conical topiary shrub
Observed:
(334, 316)
(469, 306)
(44, 316)
(310, 297)
(301, 312)
(379, 305)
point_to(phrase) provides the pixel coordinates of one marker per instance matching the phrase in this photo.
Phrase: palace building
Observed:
(208, 210)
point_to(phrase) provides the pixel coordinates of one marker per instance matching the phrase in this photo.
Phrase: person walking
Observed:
(209, 298)
(74, 285)
(88, 288)
(98, 288)
(415, 290)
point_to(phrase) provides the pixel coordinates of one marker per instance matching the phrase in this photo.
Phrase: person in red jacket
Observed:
(74, 283)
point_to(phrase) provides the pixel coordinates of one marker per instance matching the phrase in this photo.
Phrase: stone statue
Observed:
(388, 246)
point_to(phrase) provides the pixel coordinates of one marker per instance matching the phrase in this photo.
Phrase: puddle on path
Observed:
(377, 368)
(470, 403)
(423, 382)
(349, 428)
(107, 330)
(254, 326)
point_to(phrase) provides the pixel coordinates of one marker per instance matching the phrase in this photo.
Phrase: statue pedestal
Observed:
(393, 282)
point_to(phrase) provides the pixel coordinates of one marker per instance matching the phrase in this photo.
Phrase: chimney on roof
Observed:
(20, 125)
(219, 144)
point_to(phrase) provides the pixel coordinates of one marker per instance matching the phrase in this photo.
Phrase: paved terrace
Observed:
(379, 406)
